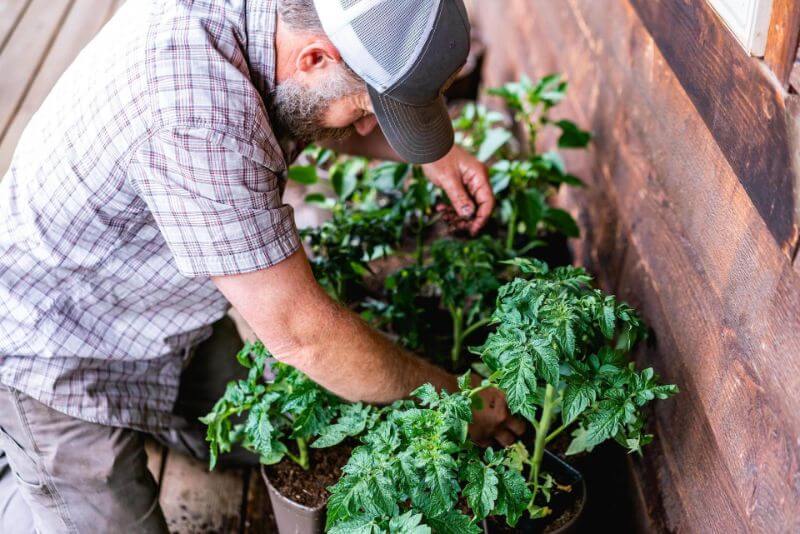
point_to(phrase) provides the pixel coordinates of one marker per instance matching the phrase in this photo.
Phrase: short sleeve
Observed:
(215, 201)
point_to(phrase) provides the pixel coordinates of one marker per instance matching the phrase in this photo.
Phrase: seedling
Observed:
(343, 246)
(560, 348)
(264, 416)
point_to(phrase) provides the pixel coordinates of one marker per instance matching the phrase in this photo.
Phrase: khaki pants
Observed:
(62, 474)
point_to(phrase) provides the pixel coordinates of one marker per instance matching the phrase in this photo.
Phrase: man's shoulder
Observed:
(197, 70)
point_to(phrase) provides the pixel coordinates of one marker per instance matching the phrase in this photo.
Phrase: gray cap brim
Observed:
(419, 134)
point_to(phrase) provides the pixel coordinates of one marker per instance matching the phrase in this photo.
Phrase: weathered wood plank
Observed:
(722, 294)
(24, 53)
(83, 21)
(784, 31)
(195, 500)
(10, 13)
(258, 517)
(732, 94)
(156, 458)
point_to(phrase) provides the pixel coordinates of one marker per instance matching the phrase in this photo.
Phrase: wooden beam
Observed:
(25, 52)
(82, 22)
(740, 104)
(700, 259)
(784, 31)
(196, 500)
(10, 13)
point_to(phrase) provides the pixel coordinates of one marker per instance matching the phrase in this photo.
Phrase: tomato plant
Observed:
(264, 416)
(417, 463)
(560, 351)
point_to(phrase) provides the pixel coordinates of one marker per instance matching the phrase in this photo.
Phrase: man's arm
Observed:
(303, 327)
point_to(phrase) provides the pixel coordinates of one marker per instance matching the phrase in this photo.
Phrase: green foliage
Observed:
(263, 416)
(343, 246)
(417, 463)
(561, 346)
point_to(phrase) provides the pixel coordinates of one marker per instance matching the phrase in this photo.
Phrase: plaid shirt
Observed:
(150, 167)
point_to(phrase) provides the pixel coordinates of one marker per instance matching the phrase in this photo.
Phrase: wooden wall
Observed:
(691, 214)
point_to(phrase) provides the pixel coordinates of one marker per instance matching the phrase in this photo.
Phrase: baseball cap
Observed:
(408, 52)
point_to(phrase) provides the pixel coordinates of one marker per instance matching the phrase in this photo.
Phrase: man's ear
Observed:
(317, 54)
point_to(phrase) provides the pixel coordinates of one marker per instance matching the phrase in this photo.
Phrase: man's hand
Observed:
(466, 182)
(494, 421)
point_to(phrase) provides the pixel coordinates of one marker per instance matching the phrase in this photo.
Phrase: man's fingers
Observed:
(459, 197)
(517, 426)
(504, 437)
(481, 191)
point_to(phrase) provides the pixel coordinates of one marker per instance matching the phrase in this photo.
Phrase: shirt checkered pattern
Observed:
(150, 167)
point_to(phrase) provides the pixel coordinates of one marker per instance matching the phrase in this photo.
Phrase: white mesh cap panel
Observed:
(379, 39)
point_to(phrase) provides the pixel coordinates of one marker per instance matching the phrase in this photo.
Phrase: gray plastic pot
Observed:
(564, 474)
(292, 517)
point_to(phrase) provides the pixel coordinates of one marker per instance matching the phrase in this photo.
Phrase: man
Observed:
(145, 198)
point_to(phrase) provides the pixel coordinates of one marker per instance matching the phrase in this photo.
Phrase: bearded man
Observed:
(144, 199)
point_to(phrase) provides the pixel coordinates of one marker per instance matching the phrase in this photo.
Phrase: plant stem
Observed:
(541, 438)
(511, 230)
(458, 334)
(302, 458)
(555, 433)
(474, 326)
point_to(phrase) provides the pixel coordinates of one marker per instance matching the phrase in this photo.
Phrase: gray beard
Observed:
(297, 111)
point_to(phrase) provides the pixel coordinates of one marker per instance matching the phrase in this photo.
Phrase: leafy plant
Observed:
(560, 349)
(343, 246)
(263, 416)
(523, 188)
(482, 132)
(416, 465)
(464, 275)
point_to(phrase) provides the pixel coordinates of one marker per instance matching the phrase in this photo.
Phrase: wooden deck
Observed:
(38, 40)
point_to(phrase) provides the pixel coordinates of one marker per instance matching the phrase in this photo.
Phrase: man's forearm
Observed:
(302, 326)
(342, 353)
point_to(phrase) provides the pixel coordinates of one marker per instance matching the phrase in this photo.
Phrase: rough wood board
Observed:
(25, 51)
(156, 457)
(722, 296)
(740, 103)
(258, 517)
(10, 12)
(195, 500)
(784, 31)
(83, 21)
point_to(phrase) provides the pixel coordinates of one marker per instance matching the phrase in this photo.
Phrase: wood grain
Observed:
(686, 243)
(25, 51)
(258, 516)
(733, 95)
(10, 13)
(784, 31)
(83, 21)
(195, 500)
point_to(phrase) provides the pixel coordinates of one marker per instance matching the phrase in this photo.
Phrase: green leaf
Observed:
(426, 394)
(351, 422)
(408, 523)
(572, 136)
(562, 221)
(518, 381)
(513, 496)
(577, 397)
(452, 522)
(481, 488)
(303, 174)
(495, 139)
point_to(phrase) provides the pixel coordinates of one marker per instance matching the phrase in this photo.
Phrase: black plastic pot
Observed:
(292, 517)
(561, 503)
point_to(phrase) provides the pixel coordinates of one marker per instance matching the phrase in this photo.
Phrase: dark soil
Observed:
(309, 487)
